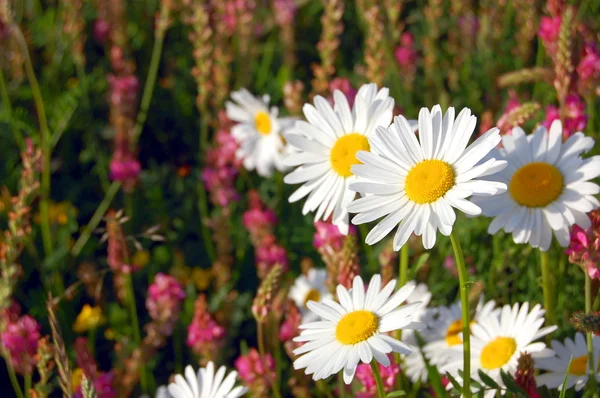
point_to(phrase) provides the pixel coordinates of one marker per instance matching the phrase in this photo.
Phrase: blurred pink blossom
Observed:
(406, 55)
(221, 169)
(575, 116)
(364, 374)
(270, 253)
(257, 373)
(584, 248)
(164, 299)
(588, 70)
(103, 383)
(549, 31)
(101, 30)
(285, 10)
(204, 333)
(344, 85)
(328, 235)
(20, 339)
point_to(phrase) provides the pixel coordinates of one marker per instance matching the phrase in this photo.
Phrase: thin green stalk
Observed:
(92, 340)
(161, 30)
(178, 349)
(322, 387)
(341, 385)
(27, 378)
(403, 270)
(9, 111)
(44, 140)
(276, 354)
(590, 346)
(380, 390)
(364, 231)
(202, 199)
(80, 70)
(96, 218)
(464, 300)
(136, 328)
(12, 375)
(547, 287)
(260, 336)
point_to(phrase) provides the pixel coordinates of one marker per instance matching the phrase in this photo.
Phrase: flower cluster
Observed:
(20, 338)
(164, 299)
(256, 371)
(575, 118)
(205, 335)
(584, 247)
(364, 373)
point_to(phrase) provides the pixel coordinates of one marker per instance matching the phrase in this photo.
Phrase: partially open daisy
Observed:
(498, 340)
(258, 132)
(327, 146)
(355, 329)
(548, 186)
(444, 329)
(415, 185)
(206, 384)
(309, 288)
(558, 365)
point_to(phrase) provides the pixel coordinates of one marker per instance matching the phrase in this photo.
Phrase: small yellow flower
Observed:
(89, 318)
(141, 258)
(109, 334)
(76, 377)
(201, 277)
(58, 213)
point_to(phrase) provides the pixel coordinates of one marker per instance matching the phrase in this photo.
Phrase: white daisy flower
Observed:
(415, 185)
(558, 365)
(327, 146)
(206, 384)
(161, 392)
(258, 132)
(355, 329)
(444, 329)
(307, 288)
(548, 186)
(498, 341)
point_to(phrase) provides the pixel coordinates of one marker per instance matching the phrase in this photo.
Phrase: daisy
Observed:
(355, 329)
(548, 186)
(309, 288)
(415, 184)
(327, 146)
(498, 340)
(558, 365)
(206, 384)
(258, 132)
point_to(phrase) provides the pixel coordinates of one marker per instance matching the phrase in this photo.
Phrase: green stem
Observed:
(324, 388)
(202, 199)
(96, 218)
(80, 70)
(368, 249)
(27, 378)
(161, 29)
(178, 349)
(403, 270)
(464, 300)
(547, 287)
(92, 340)
(590, 346)
(341, 385)
(7, 105)
(44, 140)
(136, 327)
(11, 373)
(260, 335)
(380, 390)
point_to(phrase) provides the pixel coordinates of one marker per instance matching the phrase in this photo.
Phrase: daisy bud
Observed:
(525, 375)
(267, 290)
(257, 373)
(586, 323)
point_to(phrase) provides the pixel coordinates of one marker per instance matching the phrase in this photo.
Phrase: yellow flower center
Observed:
(497, 353)
(356, 326)
(579, 366)
(343, 153)
(262, 123)
(312, 295)
(76, 377)
(428, 181)
(536, 184)
(452, 332)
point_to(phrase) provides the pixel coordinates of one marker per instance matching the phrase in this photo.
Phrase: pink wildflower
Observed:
(406, 55)
(549, 31)
(328, 235)
(101, 30)
(164, 300)
(222, 168)
(256, 372)
(584, 248)
(20, 338)
(123, 91)
(285, 10)
(364, 374)
(575, 117)
(259, 220)
(588, 70)
(289, 327)
(269, 253)
(344, 85)
(103, 383)
(204, 333)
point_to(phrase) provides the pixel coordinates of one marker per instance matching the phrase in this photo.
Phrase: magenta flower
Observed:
(329, 236)
(549, 30)
(364, 374)
(164, 299)
(20, 338)
(344, 85)
(584, 248)
(204, 333)
(575, 116)
(405, 53)
(103, 383)
(256, 372)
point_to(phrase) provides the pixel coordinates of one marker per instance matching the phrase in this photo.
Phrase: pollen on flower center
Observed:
(536, 184)
(356, 326)
(312, 295)
(497, 353)
(579, 366)
(428, 181)
(262, 123)
(343, 153)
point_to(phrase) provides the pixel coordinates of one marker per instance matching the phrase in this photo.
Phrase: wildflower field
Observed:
(299, 198)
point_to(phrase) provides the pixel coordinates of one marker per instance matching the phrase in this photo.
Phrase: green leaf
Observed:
(455, 383)
(563, 390)
(511, 385)
(487, 380)
(398, 393)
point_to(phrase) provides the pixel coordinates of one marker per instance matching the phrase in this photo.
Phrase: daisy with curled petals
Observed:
(416, 184)
(498, 340)
(326, 149)
(355, 329)
(206, 384)
(309, 287)
(549, 187)
(572, 350)
(258, 132)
